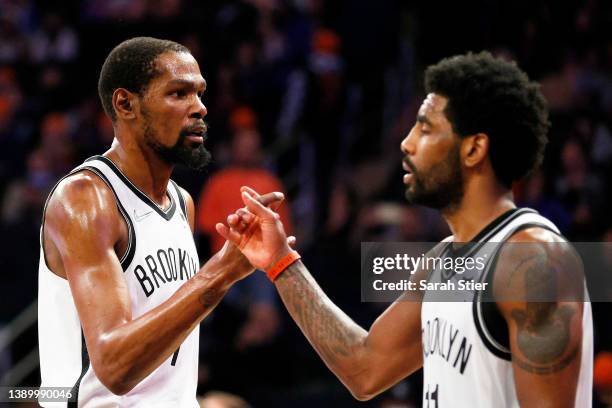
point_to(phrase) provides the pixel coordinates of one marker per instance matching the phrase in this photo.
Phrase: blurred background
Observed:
(310, 97)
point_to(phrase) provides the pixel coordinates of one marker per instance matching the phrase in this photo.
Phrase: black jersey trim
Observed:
(127, 257)
(131, 249)
(490, 324)
(495, 323)
(180, 198)
(165, 214)
(489, 231)
(73, 402)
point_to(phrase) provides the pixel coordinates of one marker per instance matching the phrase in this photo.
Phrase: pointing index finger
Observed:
(255, 206)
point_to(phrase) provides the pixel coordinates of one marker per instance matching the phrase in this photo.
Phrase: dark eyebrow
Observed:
(185, 82)
(424, 119)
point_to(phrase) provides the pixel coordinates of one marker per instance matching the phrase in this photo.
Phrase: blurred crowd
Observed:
(310, 97)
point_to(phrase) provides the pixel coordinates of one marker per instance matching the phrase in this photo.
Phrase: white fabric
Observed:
(164, 245)
(459, 370)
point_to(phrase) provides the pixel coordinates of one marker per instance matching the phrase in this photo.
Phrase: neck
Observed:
(143, 167)
(480, 205)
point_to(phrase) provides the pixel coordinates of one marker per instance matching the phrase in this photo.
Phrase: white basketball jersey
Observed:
(160, 258)
(465, 363)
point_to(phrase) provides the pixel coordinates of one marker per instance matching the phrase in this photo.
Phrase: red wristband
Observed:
(282, 264)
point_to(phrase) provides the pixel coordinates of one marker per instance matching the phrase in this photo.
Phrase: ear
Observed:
(474, 149)
(125, 104)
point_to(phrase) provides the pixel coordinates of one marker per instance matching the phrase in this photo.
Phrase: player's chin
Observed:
(194, 141)
(197, 157)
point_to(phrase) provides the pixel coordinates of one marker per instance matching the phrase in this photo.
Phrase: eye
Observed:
(179, 93)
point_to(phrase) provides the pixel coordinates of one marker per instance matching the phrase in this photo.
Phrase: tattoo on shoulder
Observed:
(543, 328)
(546, 369)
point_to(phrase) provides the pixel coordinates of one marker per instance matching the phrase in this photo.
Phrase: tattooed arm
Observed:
(367, 363)
(539, 288)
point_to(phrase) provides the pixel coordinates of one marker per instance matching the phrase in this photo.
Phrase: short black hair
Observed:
(131, 65)
(493, 96)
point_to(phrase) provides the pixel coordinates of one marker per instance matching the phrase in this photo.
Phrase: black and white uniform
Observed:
(160, 258)
(466, 353)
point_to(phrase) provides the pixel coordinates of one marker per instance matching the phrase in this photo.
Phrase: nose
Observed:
(199, 109)
(408, 146)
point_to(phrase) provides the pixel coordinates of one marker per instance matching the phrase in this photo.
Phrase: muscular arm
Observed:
(545, 336)
(367, 363)
(83, 225)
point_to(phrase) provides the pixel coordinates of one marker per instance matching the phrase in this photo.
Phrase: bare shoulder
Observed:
(539, 290)
(536, 234)
(82, 201)
(537, 264)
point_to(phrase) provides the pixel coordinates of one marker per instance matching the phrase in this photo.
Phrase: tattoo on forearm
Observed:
(543, 328)
(330, 331)
(210, 298)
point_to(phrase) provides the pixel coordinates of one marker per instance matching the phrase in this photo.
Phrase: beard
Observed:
(195, 157)
(441, 186)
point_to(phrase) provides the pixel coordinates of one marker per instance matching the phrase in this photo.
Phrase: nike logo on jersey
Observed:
(140, 217)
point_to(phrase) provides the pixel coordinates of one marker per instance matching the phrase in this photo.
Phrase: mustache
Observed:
(200, 127)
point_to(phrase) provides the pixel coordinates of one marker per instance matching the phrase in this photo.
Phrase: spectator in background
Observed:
(219, 197)
(602, 378)
(54, 41)
(24, 198)
(315, 106)
(580, 190)
(13, 135)
(248, 319)
(533, 195)
(222, 400)
(13, 45)
(56, 136)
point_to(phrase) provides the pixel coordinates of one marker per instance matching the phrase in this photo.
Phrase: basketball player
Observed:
(482, 126)
(121, 291)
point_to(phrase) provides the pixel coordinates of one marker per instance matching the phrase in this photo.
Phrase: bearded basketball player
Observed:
(482, 126)
(121, 291)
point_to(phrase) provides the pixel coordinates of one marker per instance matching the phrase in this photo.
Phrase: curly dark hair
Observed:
(493, 96)
(131, 65)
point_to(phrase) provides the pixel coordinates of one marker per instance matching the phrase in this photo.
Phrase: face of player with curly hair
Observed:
(432, 158)
(172, 112)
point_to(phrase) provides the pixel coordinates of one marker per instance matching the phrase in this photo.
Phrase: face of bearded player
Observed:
(172, 112)
(432, 158)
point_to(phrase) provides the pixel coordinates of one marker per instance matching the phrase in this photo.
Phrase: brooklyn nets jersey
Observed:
(161, 257)
(466, 354)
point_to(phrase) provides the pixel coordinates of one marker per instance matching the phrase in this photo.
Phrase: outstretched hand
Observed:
(257, 231)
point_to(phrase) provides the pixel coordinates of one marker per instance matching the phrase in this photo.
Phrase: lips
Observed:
(409, 173)
(201, 132)
(196, 134)
(406, 167)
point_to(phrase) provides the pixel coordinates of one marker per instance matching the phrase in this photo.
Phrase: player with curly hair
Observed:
(482, 126)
